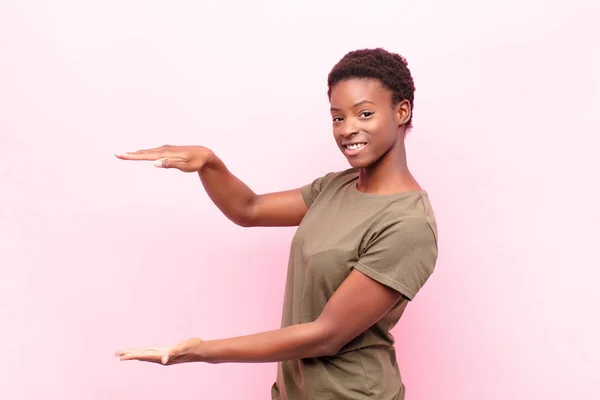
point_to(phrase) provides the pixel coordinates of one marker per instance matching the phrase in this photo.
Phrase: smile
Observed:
(355, 146)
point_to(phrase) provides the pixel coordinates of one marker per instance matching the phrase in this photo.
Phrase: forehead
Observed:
(351, 91)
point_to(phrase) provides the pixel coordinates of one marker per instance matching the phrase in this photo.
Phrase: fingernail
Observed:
(158, 163)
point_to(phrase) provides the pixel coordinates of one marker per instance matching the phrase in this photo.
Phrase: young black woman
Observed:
(366, 243)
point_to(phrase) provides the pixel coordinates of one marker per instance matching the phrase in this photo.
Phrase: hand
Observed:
(186, 351)
(183, 158)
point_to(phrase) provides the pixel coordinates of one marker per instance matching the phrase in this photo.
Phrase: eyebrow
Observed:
(354, 106)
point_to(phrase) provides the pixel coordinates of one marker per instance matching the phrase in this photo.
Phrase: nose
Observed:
(349, 128)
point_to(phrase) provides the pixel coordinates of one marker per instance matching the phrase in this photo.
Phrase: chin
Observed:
(359, 163)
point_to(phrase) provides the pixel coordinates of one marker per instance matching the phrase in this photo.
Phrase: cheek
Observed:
(377, 129)
(336, 132)
(382, 134)
(340, 130)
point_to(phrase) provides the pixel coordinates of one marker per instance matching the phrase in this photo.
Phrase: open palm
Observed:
(183, 158)
(150, 354)
(184, 352)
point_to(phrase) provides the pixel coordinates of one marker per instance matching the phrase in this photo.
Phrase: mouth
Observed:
(352, 149)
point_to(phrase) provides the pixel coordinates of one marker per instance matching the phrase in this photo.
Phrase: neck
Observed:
(388, 175)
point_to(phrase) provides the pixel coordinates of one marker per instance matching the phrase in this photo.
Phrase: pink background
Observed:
(97, 254)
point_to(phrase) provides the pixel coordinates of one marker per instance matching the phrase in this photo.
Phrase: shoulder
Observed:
(411, 230)
(406, 222)
(402, 255)
(416, 230)
(411, 212)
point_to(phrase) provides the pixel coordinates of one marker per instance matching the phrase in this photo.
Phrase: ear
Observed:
(402, 111)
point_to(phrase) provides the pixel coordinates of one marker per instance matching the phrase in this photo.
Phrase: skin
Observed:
(361, 111)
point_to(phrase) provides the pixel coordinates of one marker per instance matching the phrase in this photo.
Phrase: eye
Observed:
(337, 119)
(366, 114)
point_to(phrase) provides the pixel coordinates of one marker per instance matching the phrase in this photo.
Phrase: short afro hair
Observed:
(390, 69)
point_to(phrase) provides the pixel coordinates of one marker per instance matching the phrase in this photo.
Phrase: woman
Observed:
(366, 243)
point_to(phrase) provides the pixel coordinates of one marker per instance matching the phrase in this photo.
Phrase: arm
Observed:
(245, 208)
(403, 255)
(356, 305)
(232, 196)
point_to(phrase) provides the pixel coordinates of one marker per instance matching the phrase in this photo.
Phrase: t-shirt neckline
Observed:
(354, 187)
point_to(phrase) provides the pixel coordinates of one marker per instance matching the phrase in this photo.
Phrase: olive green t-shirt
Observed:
(390, 238)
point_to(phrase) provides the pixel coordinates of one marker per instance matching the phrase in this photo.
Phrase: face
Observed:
(366, 124)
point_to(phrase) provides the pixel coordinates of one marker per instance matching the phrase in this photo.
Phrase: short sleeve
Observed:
(401, 256)
(312, 190)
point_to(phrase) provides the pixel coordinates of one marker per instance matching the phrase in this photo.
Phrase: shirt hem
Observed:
(385, 280)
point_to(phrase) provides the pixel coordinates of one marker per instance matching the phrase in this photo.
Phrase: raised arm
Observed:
(232, 196)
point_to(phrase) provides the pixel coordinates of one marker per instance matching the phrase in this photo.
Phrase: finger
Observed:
(130, 351)
(125, 352)
(143, 356)
(140, 156)
(170, 355)
(146, 351)
(129, 357)
(145, 154)
(169, 163)
(138, 357)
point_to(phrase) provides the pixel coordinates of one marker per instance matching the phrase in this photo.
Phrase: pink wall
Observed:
(97, 254)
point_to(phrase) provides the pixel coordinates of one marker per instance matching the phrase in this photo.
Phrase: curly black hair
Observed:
(390, 69)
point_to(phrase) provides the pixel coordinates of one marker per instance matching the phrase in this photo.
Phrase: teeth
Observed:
(355, 146)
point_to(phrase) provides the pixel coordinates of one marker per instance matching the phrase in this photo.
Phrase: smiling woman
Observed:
(366, 243)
